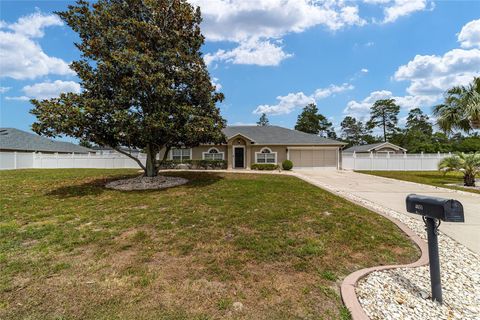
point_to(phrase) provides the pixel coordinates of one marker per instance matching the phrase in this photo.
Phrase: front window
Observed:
(266, 156)
(181, 154)
(213, 154)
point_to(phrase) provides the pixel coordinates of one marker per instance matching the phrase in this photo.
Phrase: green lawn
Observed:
(71, 249)
(433, 178)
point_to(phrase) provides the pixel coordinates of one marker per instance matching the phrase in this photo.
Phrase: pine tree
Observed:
(263, 121)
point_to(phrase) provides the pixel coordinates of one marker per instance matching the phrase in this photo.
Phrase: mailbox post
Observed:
(434, 211)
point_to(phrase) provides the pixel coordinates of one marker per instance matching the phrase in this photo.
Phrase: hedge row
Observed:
(194, 164)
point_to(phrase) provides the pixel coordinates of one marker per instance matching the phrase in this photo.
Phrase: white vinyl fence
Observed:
(396, 162)
(24, 160)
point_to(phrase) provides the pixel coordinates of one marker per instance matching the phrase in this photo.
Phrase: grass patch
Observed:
(433, 178)
(69, 248)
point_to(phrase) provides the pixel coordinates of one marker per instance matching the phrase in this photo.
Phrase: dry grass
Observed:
(71, 249)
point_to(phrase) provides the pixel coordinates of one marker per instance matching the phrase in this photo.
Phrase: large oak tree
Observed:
(144, 82)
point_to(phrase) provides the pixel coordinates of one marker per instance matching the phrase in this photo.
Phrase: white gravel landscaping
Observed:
(405, 293)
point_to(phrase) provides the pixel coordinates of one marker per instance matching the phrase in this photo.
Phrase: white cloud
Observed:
(216, 84)
(361, 109)
(4, 89)
(469, 36)
(32, 25)
(432, 74)
(20, 56)
(253, 25)
(286, 104)
(364, 70)
(253, 51)
(290, 102)
(46, 90)
(21, 98)
(239, 20)
(401, 8)
(330, 90)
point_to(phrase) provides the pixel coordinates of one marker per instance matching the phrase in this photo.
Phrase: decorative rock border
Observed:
(347, 288)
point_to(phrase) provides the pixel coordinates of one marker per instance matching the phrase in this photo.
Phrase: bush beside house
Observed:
(287, 165)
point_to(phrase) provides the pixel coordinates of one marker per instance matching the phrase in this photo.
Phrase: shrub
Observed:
(287, 165)
(264, 166)
(194, 164)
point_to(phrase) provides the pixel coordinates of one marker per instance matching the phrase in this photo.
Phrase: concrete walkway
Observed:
(391, 194)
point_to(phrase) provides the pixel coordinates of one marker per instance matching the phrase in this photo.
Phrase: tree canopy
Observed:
(384, 114)
(461, 108)
(263, 121)
(144, 82)
(355, 132)
(310, 121)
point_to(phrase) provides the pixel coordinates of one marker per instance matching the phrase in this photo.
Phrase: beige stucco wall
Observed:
(250, 150)
(280, 150)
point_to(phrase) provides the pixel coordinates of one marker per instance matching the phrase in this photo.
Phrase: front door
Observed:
(239, 158)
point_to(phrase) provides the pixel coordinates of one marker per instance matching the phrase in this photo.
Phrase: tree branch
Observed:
(130, 156)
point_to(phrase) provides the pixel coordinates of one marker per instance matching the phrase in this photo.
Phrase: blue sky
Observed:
(274, 56)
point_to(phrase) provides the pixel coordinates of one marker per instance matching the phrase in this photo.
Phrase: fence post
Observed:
(371, 161)
(15, 160)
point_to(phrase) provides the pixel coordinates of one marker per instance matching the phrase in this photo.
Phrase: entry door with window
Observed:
(239, 158)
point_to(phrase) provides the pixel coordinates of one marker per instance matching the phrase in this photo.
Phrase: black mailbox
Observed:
(434, 211)
(448, 210)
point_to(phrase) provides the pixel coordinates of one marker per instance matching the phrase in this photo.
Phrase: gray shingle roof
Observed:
(278, 135)
(368, 147)
(18, 140)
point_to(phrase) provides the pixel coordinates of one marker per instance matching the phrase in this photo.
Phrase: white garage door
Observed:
(314, 158)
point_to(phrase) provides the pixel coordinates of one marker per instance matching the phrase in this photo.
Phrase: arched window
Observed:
(266, 156)
(213, 154)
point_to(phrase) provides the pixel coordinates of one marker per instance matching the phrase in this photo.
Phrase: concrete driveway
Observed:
(391, 194)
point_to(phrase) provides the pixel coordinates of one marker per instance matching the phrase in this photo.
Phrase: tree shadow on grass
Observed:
(97, 186)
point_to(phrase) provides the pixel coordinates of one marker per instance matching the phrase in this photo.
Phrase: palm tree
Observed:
(461, 109)
(469, 164)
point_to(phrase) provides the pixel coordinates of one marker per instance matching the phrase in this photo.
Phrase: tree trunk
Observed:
(469, 180)
(151, 165)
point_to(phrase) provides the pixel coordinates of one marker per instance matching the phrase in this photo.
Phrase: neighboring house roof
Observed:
(18, 140)
(374, 147)
(271, 135)
(104, 148)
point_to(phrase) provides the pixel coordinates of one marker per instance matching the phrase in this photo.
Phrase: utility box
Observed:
(447, 210)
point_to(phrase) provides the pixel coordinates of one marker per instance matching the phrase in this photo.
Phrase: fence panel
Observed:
(24, 160)
(394, 162)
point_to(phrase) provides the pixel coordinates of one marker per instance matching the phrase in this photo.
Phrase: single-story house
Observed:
(247, 145)
(381, 147)
(15, 140)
